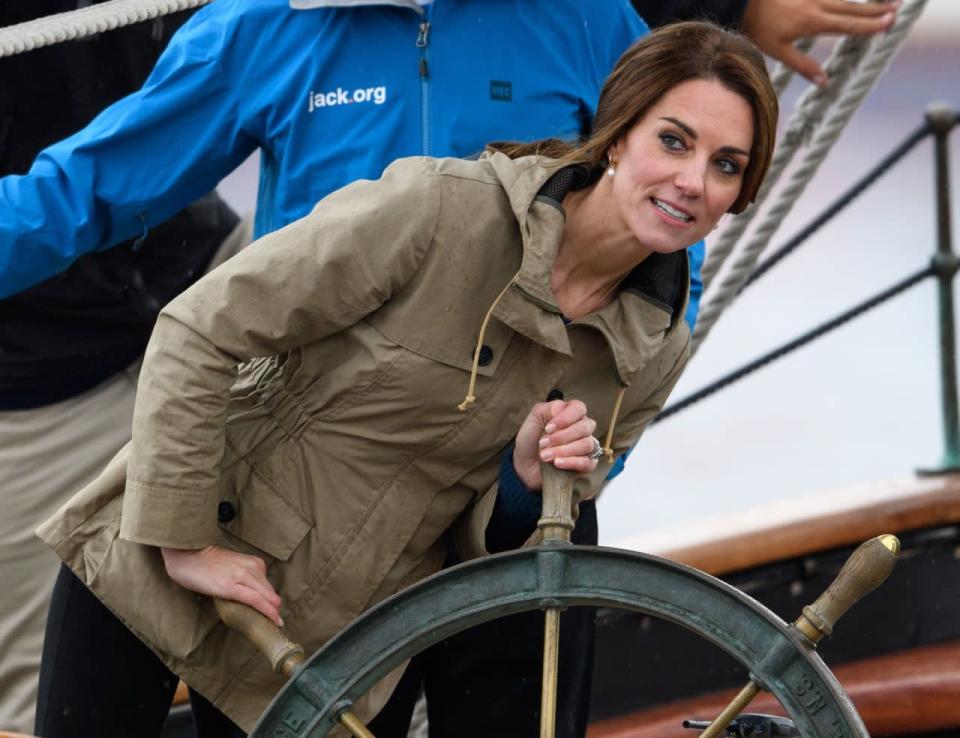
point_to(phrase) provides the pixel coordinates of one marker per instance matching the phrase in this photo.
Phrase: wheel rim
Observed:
(560, 576)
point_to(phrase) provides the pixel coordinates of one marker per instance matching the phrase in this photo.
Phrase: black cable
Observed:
(796, 343)
(840, 203)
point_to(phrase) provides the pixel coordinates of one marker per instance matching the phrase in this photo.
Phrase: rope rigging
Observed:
(838, 205)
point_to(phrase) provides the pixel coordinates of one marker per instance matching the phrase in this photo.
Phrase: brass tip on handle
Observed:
(891, 543)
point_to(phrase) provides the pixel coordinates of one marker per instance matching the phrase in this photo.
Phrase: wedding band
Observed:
(597, 449)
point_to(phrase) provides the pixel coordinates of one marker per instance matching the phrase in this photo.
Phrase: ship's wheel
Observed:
(780, 658)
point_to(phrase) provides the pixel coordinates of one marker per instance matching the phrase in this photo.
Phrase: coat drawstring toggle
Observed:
(471, 397)
(607, 444)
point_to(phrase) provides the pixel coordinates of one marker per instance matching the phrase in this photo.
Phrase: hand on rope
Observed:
(556, 431)
(229, 575)
(774, 25)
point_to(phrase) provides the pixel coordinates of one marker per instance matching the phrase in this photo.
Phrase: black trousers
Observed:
(98, 680)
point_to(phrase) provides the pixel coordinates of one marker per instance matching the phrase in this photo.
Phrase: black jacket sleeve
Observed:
(49, 93)
(658, 12)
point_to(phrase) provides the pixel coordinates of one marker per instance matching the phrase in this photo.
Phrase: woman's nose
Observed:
(689, 179)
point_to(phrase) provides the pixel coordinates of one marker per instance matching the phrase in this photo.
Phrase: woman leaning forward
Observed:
(317, 413)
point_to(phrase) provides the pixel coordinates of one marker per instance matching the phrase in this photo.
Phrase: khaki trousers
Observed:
(46, 455)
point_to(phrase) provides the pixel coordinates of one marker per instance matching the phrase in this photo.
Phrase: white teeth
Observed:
(669, 210)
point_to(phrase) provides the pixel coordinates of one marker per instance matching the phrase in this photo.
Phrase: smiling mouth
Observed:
(670, 210)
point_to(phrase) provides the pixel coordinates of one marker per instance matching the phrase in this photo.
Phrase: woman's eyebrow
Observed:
(682, 126)
(734, 150)
(693, 134)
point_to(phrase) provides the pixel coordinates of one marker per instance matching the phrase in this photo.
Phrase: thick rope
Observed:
(882, 50)
(838, 205)
(89, 21)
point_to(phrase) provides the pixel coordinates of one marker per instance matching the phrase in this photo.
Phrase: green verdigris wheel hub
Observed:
(559, 575)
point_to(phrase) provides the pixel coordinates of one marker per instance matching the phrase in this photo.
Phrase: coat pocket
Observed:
(255, 512)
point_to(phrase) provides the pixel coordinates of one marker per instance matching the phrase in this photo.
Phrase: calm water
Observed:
(861, 403)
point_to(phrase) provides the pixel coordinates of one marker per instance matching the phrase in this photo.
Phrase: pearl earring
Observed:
(612, 169)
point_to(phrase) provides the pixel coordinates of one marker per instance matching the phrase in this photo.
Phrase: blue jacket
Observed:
(329, 95)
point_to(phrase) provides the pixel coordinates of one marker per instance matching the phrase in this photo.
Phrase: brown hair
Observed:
(669, 56)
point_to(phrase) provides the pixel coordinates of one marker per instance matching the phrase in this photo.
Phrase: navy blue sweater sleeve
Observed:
(515, 512)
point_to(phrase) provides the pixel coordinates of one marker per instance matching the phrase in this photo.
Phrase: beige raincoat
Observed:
(308, 389)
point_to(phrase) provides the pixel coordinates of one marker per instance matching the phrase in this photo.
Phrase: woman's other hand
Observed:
(559, 432)
(220, 572)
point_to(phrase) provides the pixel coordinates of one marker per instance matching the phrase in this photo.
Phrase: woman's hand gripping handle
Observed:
(557, 432)
(244, 598)
(229, 575)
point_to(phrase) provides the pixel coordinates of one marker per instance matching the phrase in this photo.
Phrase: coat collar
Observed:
(528, 306)
(650, 303)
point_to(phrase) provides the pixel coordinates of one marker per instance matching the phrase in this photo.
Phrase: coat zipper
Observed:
(423, 38)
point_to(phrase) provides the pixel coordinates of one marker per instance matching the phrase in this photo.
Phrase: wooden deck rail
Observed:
(792, 528)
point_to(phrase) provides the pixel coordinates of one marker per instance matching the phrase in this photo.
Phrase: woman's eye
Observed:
(672, 141)
(728, 166)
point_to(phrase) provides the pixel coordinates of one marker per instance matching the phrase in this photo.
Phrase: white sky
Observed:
(940, 18)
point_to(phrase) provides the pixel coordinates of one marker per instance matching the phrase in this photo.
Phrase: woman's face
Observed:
(680, 168)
